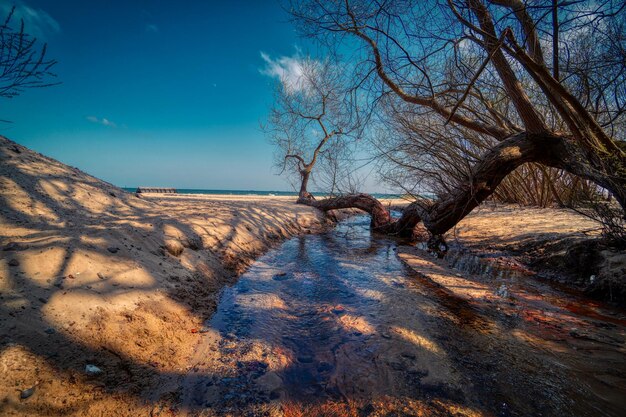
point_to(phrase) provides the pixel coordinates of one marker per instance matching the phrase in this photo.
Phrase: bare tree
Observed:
(420, 155)
(23, 62)
(564, 113)
(310, 123)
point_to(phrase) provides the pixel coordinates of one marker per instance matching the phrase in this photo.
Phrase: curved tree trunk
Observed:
(381, 219)
(441, 215)
(485, 177)
(548, 150)
(609, 172)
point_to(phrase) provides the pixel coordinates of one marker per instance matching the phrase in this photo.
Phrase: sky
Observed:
(157, 93)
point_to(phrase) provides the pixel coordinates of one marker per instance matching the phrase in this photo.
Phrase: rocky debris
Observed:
(24, 394)
(14, 262)
(253, 369)
(502, 291)
(92, 370)
(174, 247)
(113, 249)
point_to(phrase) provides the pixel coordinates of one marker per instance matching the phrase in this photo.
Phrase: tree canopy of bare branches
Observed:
(23, 62)
(495, 84)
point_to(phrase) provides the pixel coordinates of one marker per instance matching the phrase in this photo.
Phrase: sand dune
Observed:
(90, 274)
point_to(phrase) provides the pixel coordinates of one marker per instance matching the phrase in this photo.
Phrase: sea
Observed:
(253, 192)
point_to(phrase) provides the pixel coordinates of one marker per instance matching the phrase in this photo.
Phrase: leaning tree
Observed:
(547, 86)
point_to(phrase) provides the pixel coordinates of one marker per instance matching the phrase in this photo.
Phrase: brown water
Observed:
(336, 324)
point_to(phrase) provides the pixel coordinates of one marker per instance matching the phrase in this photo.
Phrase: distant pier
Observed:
(141, 190)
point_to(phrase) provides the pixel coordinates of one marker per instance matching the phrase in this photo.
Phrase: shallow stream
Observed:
(337, 324)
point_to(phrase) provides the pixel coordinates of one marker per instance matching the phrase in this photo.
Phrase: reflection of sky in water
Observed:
(321, 290)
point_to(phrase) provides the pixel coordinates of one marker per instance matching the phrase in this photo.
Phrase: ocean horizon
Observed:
(251, 192)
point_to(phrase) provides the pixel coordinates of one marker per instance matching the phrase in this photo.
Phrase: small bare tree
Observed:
(310, 121)
(23, 62)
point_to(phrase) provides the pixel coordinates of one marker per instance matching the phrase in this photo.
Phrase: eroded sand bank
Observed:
(91, 275)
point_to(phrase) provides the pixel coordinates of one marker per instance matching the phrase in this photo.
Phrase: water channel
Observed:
(337, 324)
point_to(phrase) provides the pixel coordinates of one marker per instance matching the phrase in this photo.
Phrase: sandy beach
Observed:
(104, 294)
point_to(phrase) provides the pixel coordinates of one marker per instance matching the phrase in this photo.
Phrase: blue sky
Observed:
(156, 92)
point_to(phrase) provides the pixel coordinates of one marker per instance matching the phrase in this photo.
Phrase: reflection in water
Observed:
(337, 318)
(319, 303)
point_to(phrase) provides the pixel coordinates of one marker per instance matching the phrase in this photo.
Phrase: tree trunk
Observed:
(548, 150)
(304, 195)
(609, 172)
(381, 219)
(486, 176)
(440, 216)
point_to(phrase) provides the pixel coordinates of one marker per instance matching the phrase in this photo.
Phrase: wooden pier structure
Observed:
(161, 190)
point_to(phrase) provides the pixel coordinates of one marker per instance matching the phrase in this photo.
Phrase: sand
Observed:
(91, 275)
(560, 244)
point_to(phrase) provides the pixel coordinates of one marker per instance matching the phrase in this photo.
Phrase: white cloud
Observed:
(288, 69)
(37, 22)
(152, 28)
(104, 121)
(467, 47)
